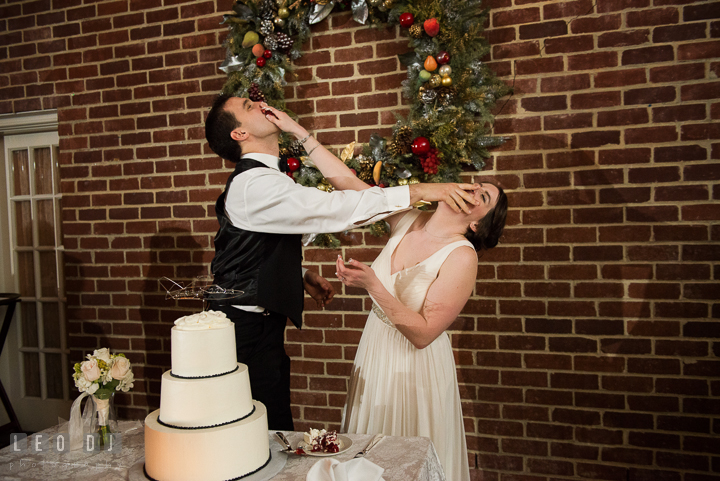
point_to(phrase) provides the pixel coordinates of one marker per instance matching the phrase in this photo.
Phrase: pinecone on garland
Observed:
(394, 148)
(255, 94)
(267, 27)
(403, 139)
(271, 42)
(284, 42)
(366, 168)
(416, 30)
(267, 9)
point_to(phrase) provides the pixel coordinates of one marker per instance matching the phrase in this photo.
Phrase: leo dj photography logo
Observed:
(40, 443)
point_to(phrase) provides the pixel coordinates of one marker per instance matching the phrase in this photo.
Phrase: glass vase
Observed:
(104, 422)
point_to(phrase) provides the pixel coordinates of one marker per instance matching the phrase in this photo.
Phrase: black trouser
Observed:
(260, 342)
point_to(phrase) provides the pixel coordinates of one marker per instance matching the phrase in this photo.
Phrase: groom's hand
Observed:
(457, 196)
(319, 288)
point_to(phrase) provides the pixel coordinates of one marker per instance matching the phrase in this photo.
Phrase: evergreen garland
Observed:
(451, 113)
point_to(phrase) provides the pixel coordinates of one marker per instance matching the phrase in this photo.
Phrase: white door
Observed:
(34, 366)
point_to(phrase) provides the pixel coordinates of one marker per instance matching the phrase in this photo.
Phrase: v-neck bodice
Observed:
(410, 285)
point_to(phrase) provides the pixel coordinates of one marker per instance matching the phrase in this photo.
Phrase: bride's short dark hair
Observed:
(490, 227)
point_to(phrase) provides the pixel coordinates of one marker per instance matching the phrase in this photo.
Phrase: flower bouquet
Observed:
(99, 378)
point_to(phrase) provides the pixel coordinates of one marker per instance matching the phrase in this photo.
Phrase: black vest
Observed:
(266, 267)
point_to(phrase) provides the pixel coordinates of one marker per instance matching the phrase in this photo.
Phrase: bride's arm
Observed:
(443, 303)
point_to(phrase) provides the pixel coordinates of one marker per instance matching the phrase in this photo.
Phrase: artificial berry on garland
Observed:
(420, 146)
(443, 58)
(290, 174)
(260, 62)
(406, 20)
(430, 162)
(432, 27)
(293, 164)
(267, 54)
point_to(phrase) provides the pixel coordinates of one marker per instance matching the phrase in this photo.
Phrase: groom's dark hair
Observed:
(490, 227)
(218, 126)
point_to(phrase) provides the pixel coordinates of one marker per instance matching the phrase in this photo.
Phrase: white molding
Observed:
(29, 122)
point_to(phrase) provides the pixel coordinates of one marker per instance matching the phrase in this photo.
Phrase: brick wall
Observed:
(589, 349)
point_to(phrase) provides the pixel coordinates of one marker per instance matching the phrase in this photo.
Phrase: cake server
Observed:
(373, 442)
(288, 449)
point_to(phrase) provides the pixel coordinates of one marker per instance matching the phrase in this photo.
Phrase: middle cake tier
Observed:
(200, 403)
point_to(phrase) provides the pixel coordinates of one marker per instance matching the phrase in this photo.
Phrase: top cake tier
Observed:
(203, 345)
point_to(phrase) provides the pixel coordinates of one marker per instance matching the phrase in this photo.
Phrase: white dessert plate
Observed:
(344, 443)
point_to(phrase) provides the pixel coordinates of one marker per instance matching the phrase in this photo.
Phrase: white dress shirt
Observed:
(267, 200)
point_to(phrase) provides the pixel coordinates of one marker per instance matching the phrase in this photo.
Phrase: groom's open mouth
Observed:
(268, 112)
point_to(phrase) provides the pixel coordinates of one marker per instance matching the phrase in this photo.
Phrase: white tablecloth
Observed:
(404, 459)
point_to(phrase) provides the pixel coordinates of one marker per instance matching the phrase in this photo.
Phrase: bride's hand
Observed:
(354, 273)
(281, 120)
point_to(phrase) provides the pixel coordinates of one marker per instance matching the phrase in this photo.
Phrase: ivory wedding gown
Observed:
(397, 389)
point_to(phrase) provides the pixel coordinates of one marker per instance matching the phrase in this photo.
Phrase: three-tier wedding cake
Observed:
(208, 427)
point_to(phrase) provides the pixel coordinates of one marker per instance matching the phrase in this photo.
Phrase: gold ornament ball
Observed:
(375, 3)
(389, 3)
(283, 13)
(413, 180)
(446, 81)
(402, 182)
(435, 81)
(445, 70)
(279, 22)
(322, 187)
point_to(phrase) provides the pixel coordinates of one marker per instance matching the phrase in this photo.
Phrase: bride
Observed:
(403, 381)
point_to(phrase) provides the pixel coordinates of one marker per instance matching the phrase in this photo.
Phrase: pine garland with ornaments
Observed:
(450, 89)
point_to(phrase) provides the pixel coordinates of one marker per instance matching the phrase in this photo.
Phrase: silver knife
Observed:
(374, 442)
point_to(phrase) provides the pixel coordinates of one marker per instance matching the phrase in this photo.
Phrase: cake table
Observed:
(403, 459)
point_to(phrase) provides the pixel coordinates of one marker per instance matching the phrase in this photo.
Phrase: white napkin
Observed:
(358, 469)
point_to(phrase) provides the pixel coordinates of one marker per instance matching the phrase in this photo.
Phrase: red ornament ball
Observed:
(290, 174)
(293, 164)
(406, 20)
(443, 58)
(267, 54)
(260, 62)
(420, 146)
(354, 172)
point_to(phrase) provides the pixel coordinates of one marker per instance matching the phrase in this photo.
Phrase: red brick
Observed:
(674, 74)
(542, 30)
(698, 50)
(515, 17)
(648, 55)
(595, 100)
(625, 156)
(525, 49)
(623, 38)
(592, 61)
(622, 117)
(652, 17)
(584, 24)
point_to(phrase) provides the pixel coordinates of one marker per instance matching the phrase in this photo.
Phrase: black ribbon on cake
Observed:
(206, 427)
(205, 377)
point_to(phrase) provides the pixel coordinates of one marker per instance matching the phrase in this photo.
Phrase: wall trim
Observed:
(29, 122)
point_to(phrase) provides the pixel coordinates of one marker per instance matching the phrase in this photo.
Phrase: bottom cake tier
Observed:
(220, 453)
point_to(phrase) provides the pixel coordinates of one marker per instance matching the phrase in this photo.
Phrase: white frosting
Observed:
(213, 454)
(203, 320)
(202, 353)
(205, 402)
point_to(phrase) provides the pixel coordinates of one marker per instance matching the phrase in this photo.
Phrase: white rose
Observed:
(81, 383)
(93, 387)
(120, 368)
(90, 370)
(102, 354)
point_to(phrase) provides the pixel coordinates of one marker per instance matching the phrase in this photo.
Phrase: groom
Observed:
(262, 215)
